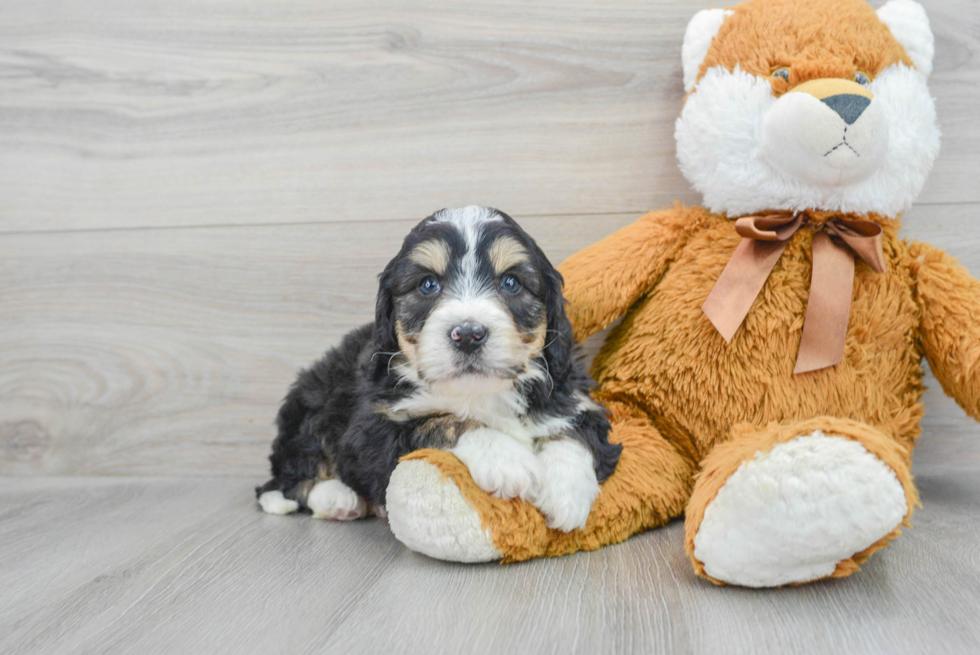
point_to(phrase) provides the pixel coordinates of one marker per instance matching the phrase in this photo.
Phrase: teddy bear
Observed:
(765, 377)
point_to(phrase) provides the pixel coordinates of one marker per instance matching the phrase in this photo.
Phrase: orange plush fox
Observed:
(765, 380)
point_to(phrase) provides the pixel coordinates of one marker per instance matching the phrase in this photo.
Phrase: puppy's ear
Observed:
(385, 339)
(559, 341)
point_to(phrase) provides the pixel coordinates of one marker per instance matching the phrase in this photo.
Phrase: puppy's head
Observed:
(471, 299)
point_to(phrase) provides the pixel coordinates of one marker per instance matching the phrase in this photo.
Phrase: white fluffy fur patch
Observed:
(569, 486)
(720, 135)
(332, 499)
(791, 514)
(499, 464)
(909, 24)
(700, 32)
(273, 502)
(429, 515)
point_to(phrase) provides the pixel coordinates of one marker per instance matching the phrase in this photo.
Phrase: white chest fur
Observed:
(492, 402)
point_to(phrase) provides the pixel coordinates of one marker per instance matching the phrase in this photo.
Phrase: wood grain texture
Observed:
(166, 352)
(127, 113)
(195, 198)
(95, 565)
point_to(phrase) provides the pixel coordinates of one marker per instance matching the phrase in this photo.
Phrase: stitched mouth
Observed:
(843, 143)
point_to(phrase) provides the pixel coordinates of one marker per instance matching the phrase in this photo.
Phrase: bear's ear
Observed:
(697, 41)
(909, 24)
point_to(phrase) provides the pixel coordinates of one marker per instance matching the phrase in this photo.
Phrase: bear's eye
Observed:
(862, 78)
(782, 73)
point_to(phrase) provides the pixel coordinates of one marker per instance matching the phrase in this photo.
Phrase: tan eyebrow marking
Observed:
(504, 253)
(432, 254)
(534, 339)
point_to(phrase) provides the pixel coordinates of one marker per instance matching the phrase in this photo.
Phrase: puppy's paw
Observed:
(332, 499)
(273, 502)
(500, 465)
(569, 486)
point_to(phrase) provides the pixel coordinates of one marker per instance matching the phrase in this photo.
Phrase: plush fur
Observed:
(470, 351)
(725, 433)
(737, 102)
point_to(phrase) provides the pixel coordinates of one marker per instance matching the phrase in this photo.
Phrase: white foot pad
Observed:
(429, 515)
(569, 487)
(273, 502)
(332, 499)
(499, 464)
(790, 515)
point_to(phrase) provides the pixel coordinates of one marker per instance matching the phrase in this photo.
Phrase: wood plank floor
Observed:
(195, 199)
(167, 351)
(189, 112)
(162, 565)
(194, 202)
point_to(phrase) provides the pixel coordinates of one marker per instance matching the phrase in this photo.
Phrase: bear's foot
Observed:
(435, 507)
(800, 509)
(428, 513)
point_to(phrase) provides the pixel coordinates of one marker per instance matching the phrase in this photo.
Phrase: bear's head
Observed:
(808, 104)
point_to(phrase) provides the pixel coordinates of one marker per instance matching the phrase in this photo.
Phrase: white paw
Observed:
(792, 514)
(273, 502)
(569, 486)
(332, 499)
(500, 465)
(429, 514)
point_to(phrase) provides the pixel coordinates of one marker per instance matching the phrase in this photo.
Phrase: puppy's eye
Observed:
(782, 73)
(862, 78)
(429, 285)
(510, 284)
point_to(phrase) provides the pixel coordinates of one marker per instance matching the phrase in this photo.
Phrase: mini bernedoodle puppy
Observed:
(470, 352)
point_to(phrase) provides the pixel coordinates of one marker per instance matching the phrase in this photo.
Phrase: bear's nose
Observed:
(468, 337)
(848, 106)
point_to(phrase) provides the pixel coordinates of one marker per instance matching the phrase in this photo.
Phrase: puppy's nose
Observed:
(848, 106)
(468, 336)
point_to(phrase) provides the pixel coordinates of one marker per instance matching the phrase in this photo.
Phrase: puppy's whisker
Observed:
(534, 333)
(547, 372)
(390, 359)
(551, 342)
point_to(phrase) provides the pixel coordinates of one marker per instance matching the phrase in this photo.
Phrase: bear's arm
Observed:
(605, 279)
(949, 300)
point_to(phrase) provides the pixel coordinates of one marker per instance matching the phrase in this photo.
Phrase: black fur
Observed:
(332, 422)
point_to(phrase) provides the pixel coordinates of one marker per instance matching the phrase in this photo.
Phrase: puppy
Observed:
(470, 352)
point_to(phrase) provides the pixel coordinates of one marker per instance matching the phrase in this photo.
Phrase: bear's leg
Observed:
(435, 508)
(794, 503)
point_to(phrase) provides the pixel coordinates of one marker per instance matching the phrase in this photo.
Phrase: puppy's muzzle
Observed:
(468, 336)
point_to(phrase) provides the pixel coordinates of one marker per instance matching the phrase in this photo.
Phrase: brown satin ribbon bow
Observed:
(835, 244)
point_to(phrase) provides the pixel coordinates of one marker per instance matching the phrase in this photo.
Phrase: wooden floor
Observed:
(164, 565)
(195, 199)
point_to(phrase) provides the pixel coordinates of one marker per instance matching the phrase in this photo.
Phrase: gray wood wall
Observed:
(196, 196)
